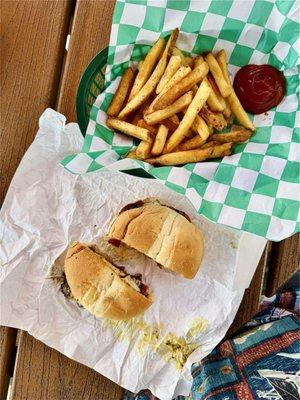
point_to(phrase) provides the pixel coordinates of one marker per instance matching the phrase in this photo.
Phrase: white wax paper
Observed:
(47, 208)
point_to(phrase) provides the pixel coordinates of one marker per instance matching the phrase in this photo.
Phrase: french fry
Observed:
(177, 52)
(150, 85)
(175, 119)
(217, 73)
(172, 109)
(232, 99)
(172, 67)
(176, 91)
(191, 144)
(177, 77)
(121, 93)
(138, 115)
(236, 136)
(143, 150)
(222, 61)
(160, 140)
(189, 61)
(217, 120)
(215, 102)
(200, 127)
(198, 61)
(172, 126)
(148, 65)
(140, 63)
(209, 144)
(189, 117)
(132, 154)
(129, 129)
(221, 150)
(191, 156)
(143, 124)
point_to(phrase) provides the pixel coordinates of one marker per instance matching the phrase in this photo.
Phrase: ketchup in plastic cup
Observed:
(259, 87)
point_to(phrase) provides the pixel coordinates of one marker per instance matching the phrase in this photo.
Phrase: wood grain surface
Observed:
(284, 262)
(90, 34)
(7, 354)
(33, 36)
(42, 373)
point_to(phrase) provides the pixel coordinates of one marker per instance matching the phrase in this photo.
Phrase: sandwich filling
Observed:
(133, 280)
(141, 203)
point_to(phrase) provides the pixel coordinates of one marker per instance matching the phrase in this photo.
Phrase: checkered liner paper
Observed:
(257, 188)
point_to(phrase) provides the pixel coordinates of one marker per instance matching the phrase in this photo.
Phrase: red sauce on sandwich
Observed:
(114, 242)
(259, 87)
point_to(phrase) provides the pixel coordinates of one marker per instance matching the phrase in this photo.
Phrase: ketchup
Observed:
(259, 87)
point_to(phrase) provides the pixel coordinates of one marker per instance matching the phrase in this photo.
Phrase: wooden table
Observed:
(37, 72)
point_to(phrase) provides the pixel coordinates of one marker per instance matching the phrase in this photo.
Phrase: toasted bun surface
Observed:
(98, 287)
(162, 234)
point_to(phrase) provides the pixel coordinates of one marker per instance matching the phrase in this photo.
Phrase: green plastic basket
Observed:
(91, 84)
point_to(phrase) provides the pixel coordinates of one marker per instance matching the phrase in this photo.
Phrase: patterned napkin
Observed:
(257, 188)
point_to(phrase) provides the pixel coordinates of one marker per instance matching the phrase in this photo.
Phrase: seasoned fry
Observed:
(198, 61)
(132, 154)
(236, 136)
(178, 76)
(148, 65)
(138, 115)
(150, 85)
(200, 127)
(189, 61)
(217, 120)
(189, 117)
(172, 109)
(143, 124)
(176, 91)
(217, 73)
(160, 140)
(177, 52)
(140, 63)
(172, 67)
(209, 144)
(191, 144)
(129, 129)
(191, 156)
(222, 61)
(121, 93)
(143, 150)
(172, 126)
(221, 150)
(215, 101)
(232, 99)
(174, 119)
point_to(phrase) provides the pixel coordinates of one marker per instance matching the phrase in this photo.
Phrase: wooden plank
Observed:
(33, 35)
(250, 303)
(284, 262)
(90, 34)
(44, 373)
(7, 357)
(41, 372)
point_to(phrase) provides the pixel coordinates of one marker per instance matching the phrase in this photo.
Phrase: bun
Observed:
(163, 234)
(101, 287)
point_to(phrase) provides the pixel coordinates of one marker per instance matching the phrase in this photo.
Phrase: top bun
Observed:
(162, 233)
(102, 288)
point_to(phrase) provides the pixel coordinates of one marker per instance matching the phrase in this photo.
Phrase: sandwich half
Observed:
(104, 289)
(162, 233)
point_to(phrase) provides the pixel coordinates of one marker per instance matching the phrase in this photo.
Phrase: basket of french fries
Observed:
(174, 104)
(170, 110)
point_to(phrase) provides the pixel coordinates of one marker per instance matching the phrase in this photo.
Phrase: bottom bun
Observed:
(102, 288)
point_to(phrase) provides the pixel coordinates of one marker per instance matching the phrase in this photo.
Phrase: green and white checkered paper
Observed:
(257, 188)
